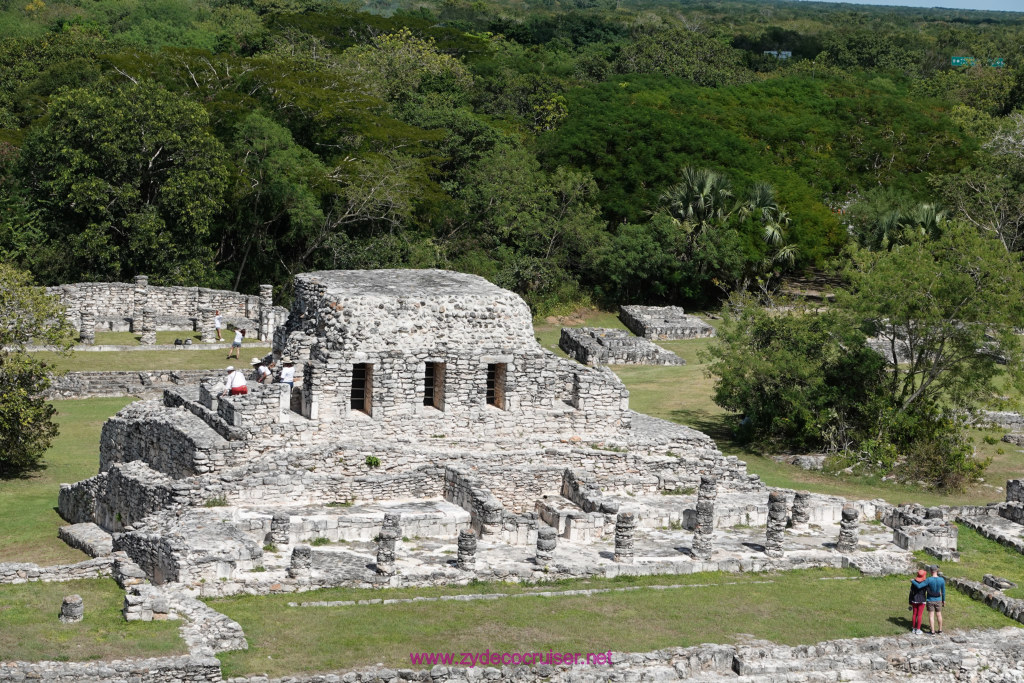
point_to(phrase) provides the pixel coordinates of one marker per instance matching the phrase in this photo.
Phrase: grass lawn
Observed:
(28, 521)
(980, 556)
(796, 608)
(175, 359)
(30, 631)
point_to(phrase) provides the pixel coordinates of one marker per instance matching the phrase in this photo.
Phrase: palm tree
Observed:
(700, 199)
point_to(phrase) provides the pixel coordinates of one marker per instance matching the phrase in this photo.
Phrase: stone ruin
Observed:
(604, 346)
(138, 307)
(424, 396)
(664, 322)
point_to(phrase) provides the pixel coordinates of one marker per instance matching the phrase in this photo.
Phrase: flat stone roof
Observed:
(409, 284)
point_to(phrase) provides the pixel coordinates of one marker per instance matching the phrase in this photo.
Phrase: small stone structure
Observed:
(547, 538)
(776, 525)
(72, 609)
(280, 529)
(389, 534)
(664, 322)
(625, 526)
(87, 327)
(603, 346)
(800, 515)
(122, 307)
(847, 542)
(467, 550)
(705, 524)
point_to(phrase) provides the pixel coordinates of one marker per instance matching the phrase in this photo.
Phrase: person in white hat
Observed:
(287, 372)
(234, 383)
(262, 372)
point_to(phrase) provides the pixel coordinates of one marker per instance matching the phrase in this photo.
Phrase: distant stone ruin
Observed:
(664, 322)
(138, 307)
(604, 346)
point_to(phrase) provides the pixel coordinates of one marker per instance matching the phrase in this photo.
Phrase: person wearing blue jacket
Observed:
(936, 598)
(918, 598)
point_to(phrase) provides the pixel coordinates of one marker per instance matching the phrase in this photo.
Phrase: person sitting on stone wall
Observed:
(261, 371)
(287, 372)
(236, 345)
(218, 324)
(234, 383)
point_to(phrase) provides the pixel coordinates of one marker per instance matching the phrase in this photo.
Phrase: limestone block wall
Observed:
(122, 496)
(25, 572)
(184, 669)
(117, 305)
(144, 384)
(663, 322)
(485, 510)
(603, 346)
(1015, 491)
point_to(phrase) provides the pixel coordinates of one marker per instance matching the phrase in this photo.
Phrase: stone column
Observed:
(389, 534)
(800, 516)
(140, 299)
(280, 528)
(848, 531)
(72, 609)
(705, 525)
(87, 330)
(302, 562)
(467, 550)
(547, 539)
(625, 524)
(266, 304)
(148, 326)
(208, 334)
(776, 524)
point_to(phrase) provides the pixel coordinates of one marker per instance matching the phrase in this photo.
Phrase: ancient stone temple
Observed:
(424, 394)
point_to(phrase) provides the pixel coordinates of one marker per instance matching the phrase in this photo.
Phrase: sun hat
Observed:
(286, 360)
(255, 361)
(921, 574)
(230, 368)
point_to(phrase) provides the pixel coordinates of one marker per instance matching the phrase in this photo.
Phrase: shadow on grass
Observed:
(721, 427)
(902, 622)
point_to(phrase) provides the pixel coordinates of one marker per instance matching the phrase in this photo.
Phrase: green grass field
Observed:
(30, 631)
(176, 359)
(28, 520)
(795, 608)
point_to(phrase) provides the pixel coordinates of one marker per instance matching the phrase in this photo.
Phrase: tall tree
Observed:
(128, 179)
(27, 315)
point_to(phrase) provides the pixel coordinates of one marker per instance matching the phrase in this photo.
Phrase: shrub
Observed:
(372, 461)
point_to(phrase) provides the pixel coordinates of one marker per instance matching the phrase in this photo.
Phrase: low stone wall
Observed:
(601, 346)
(993, 597)
(467, 492)
(992, 533)
(664, 322)
(983, 656)
(144, 384)
(187, 669)
(25, 572)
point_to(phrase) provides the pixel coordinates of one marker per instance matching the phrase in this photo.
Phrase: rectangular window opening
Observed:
(362, 387)
(433, 386)
(496, 385)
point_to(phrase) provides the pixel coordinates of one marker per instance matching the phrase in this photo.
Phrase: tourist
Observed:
(236, 345)
(234, 383)
(918, 597)
(261, 371)
(287, 372)
(218, 324)
(936, 598)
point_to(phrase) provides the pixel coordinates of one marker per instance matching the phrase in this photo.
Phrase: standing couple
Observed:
(927, 591)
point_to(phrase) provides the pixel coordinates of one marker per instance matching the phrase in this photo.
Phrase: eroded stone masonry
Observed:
(429, 439)
(138, 307)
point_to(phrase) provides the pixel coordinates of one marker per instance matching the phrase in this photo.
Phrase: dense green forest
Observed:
(577, 151)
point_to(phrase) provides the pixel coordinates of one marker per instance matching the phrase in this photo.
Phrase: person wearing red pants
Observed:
(918, 598)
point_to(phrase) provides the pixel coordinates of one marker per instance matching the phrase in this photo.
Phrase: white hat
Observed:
(230, 368)
(255, 361)
(286, 360)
